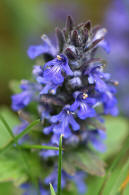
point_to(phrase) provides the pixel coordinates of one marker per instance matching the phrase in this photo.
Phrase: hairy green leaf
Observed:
(85, 160)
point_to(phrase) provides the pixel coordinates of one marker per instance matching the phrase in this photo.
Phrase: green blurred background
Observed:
(22, 22)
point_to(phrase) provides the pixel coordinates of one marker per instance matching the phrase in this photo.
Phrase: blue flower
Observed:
(109, 103)
(48, 86)
(79, 180)
(37, 71)
(44, 111)
(29, 189)
(21, 100)
(106, 92)
(49, 153)
(119, 58)
(61, 122)
(19, 128)
(50, 76)
(97, 76)
(103, 43)
(83, 105)
(64, 119)
(53, 178)
(73, 140)
(95, 138)
(53, 69)
(75, 81)
(47, 48)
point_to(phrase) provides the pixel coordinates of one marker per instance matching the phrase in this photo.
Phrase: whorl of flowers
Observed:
(71, 93)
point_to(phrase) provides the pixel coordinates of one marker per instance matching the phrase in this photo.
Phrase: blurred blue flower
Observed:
(78, 178)
(97, 76)
(44, 111)
(21, 100)
(19, 128)
(47, 48)
(49, 153)
(109, 103)
(28, 94)
(95, 138)
(29, 189)
(117, 22)
(53, 179)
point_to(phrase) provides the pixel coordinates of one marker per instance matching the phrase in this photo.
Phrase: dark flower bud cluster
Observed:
(71, 93)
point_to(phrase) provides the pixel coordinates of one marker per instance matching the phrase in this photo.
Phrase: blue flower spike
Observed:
(71, 93)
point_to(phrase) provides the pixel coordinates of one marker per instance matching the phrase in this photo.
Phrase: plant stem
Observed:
(59, 167)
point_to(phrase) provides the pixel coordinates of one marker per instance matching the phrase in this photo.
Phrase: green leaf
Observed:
(40, 147)
(11, 168)
(93, 123)
(90, 162)
(23, 158)
(117, 131)
(12, 119)
(9, 116)
(52, 190)
(35, 167)
(20, 135)
(115, 180)
(7, 126)
(94, 183)
(68, 167)
(116, 172)
(59, 167)
(27, 129)
(126, 191)
(85, 160)
(120, 178)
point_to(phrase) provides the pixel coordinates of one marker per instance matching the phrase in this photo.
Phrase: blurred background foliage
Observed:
(22, 22)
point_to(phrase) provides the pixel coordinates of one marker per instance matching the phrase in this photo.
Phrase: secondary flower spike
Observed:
(70, 92)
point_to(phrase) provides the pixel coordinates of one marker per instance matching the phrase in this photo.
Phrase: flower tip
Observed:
(116, 83)
(104, 30)
(84, 96)
(43, 36)
(59, 57)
